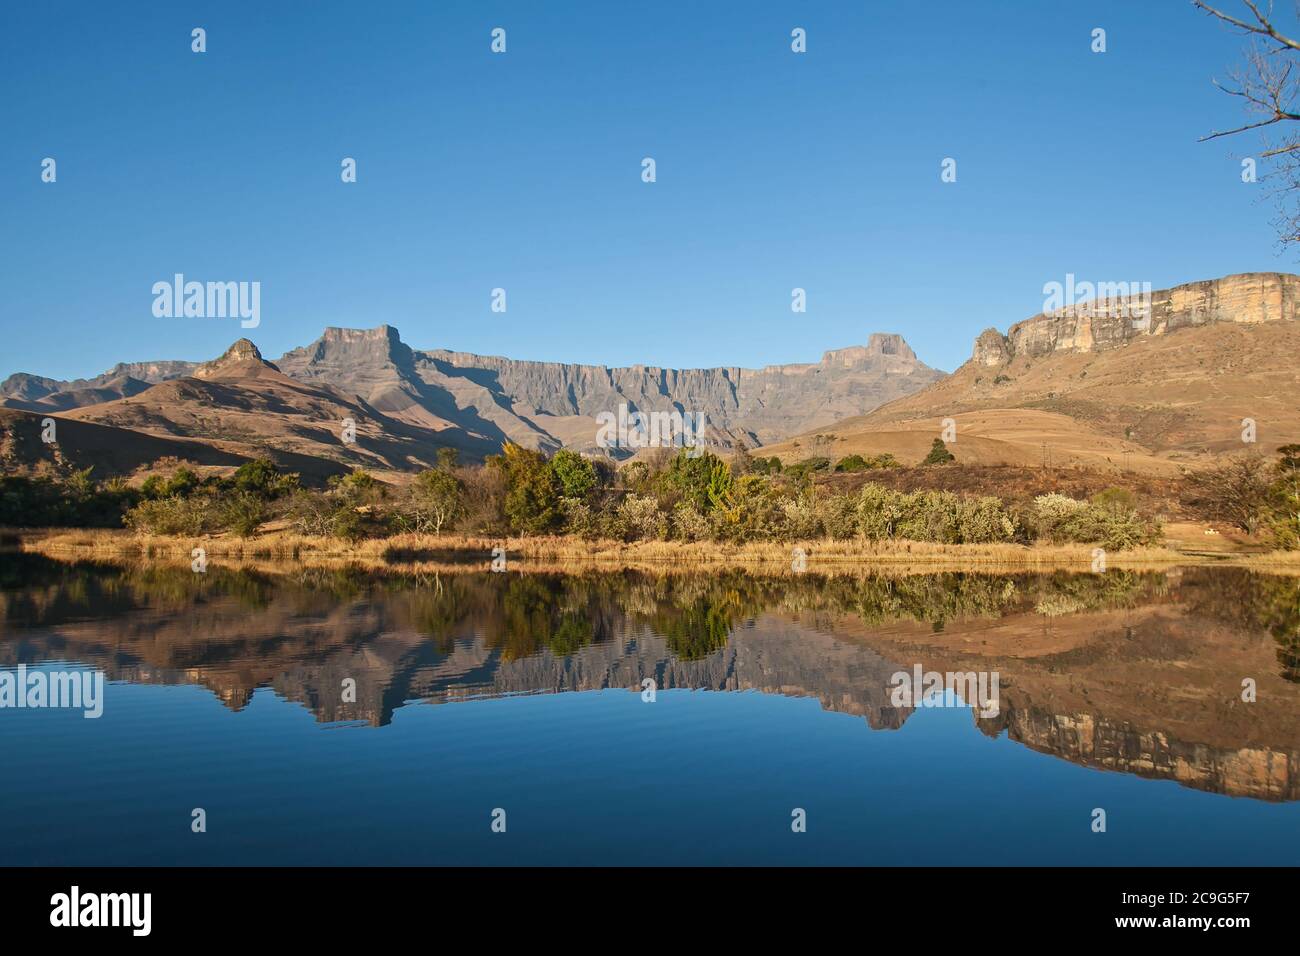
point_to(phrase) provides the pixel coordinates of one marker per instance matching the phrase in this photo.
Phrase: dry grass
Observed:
(471, 553)
(1273, 562)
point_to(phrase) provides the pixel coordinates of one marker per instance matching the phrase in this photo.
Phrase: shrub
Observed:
(638, 516)
(938, 516)
(262, 477)
(241, 512)
(431, 503)
(482, 500)
(180, 483)
(801, 518)
(1052, 513)
(880, 509)
(688, 524)
(838, 515)
(931, 516)
(1061, 519)
(72, 501)
(853, 463)
(175, 515)
(802, 469)
(750, 510)
(580, 518)
(985, 520)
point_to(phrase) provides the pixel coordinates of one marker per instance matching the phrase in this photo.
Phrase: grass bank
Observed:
(554, 553)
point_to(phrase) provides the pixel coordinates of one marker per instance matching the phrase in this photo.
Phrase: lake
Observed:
(344, 716)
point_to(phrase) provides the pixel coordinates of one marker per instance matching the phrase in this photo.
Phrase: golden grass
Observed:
(1273, 562)
(452, 553)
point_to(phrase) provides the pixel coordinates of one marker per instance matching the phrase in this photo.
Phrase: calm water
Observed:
(523, 692)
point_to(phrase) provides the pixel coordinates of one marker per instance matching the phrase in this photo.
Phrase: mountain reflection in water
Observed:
(1134, 672)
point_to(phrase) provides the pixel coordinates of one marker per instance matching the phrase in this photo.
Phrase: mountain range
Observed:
(407, 403)
(1208, 367)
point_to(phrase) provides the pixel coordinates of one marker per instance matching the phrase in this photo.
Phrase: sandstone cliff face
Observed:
(1093, 741)
(1247, 298)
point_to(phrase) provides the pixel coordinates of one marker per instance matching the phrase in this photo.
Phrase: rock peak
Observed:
(243, 350)
(242, 355)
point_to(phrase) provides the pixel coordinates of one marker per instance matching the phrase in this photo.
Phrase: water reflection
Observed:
(1134, 672)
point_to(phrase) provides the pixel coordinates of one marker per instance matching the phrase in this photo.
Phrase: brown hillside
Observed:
(1155, 403)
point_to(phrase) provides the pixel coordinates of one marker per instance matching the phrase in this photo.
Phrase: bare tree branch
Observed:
(1269, 90)
(1262, 27)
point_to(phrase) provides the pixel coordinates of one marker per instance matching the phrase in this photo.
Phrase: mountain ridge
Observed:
(477, 402)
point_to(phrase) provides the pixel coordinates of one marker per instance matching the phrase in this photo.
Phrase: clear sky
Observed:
(522, 171)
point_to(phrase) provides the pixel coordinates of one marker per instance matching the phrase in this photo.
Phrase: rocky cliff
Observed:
(549, 404)
(476, 402)
(1096, 326)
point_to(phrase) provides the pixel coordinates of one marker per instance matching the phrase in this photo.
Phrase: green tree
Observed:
(704, 481)
(1285, 494)
(261, 477)
(939, 454)
(533, 492)
(576, 475)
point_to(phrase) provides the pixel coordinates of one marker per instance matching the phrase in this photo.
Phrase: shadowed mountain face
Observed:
(226, 412)
(1136, 673)
(471, 402)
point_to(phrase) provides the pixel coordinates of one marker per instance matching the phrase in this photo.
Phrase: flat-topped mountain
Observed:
(1103, 389)
(1250, 298)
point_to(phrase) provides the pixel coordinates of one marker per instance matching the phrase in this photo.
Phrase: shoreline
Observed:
(474, 553)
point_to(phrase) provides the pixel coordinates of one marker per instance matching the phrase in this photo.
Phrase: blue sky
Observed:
(522, 171)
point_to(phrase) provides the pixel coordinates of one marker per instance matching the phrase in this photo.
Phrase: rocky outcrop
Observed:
(1108, 323)
(241, 359)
